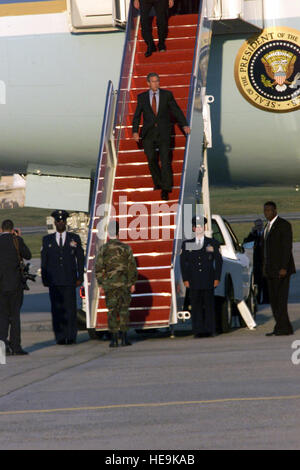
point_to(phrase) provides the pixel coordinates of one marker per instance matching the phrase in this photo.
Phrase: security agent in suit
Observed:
(62, 260)
(278, 266)
(156, 106)
(201, 267)
(161, 10)
(11, 287)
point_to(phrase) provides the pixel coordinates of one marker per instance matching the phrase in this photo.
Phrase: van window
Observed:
(234, 239)
(217, 234)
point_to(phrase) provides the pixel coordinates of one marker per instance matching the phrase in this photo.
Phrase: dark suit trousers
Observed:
(203, 312)
(10, 306)
(161, 11)
(163, 176)
(278, 292)
(64, 312)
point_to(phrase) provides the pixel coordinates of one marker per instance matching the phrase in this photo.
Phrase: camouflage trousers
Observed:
(117, 301)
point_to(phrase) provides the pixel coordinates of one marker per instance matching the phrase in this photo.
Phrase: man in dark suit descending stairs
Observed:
(161, 10)
(157, 105)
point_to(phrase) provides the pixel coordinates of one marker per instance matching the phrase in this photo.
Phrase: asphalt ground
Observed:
(239, 390)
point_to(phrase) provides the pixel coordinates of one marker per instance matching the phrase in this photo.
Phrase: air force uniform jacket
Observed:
(62, 266)
(201, 266)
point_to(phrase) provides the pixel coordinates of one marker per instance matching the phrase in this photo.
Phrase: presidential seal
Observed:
(267, 70)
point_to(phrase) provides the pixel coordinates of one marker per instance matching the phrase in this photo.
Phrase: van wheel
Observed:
(226, 313)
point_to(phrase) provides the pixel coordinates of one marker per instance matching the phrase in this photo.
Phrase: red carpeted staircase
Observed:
(151, 302)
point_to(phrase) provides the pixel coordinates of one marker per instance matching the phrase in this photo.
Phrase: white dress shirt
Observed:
(269, 225)
(64, 234)
(200, 241)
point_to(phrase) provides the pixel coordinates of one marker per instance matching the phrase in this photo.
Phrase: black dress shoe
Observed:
(70, 341)
(151, 48)
(271, 334)
(61, 342)
(19, 352)
(124, 340)
(165, 195)
(114, 341)
(162, 47)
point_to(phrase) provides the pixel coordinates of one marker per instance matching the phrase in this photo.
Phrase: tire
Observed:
(227, 309)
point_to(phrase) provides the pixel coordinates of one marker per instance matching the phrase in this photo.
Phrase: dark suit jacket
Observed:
(10, 276)
(62, 267)
(279, 246)
(201, 267)
(258, 240)
(167, 107)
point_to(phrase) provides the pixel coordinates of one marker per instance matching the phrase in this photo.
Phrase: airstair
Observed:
(123, 185)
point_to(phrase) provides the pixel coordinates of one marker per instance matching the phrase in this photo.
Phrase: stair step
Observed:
(141, 169)
(166, 81)
(144, 196)
(153, 260)
(188, 19)
(176, 131)
(138, 318)
(130, 144)
(171, 44)
(170, 68)
(163, 57)
(154, 273)
(137, 182)
(139, 156)
(178, 31)
(154, 287)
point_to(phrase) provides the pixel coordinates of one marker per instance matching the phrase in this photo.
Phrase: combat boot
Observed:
(114, 340)
(124, 339)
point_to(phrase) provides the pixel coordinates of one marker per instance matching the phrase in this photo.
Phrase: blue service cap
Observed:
(60, 215)
(199, 220)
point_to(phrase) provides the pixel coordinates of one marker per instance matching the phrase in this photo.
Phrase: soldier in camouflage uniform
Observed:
(116, 274)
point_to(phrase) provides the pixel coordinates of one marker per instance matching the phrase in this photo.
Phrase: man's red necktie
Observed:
(154, 104)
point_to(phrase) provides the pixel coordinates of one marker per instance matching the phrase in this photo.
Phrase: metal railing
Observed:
(101, 198)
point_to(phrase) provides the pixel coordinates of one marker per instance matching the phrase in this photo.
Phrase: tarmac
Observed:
(239, 390)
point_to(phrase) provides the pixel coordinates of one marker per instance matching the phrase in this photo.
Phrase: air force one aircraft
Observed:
(57, 56)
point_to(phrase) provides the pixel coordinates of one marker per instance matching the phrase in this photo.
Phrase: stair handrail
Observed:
(106, 143)
(127, 64)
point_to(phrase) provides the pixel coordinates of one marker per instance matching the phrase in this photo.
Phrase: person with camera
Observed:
(12, 282)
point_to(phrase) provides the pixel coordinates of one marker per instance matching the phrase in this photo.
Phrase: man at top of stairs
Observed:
(161, 10)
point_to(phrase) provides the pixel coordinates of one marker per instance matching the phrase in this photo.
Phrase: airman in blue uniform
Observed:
(201, 267)
(62, 260)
